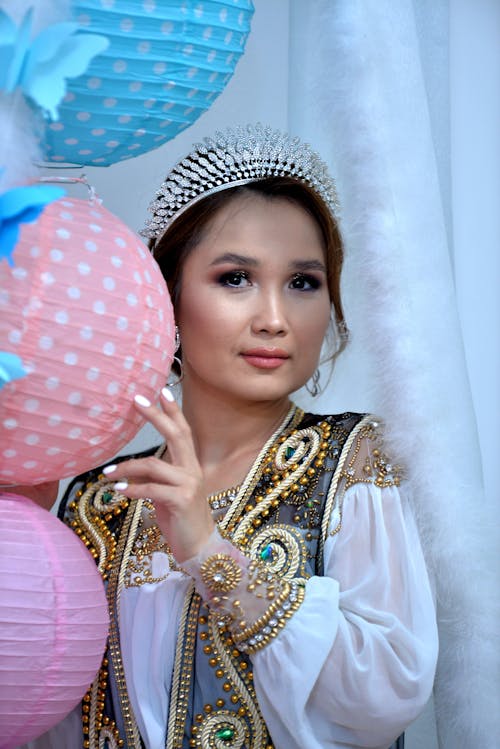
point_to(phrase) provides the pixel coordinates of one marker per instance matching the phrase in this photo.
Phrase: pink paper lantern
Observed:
(87, 310)
(53, 620)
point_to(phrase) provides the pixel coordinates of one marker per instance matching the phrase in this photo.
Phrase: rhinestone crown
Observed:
(236, 157)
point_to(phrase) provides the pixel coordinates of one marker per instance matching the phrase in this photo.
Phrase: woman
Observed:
(264, 572)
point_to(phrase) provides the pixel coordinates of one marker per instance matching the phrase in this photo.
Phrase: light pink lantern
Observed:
(87, 310)
(53, 620)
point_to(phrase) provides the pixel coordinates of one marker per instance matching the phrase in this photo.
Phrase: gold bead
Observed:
(219, 673)
(220, 702)
(212, 661)
(203, 635)
(207, 649)
(199, 718)
(234, 699)
(249, 507)
(241, 711)
(226, 686)
(208, 708)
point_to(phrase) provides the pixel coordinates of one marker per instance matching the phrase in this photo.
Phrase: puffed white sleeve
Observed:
(355, 664)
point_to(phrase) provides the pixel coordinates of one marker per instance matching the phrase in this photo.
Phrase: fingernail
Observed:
(120, 486)
(142, 401)
(109, 469)
(167, 395)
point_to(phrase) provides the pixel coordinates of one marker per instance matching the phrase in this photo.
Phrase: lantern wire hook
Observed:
(93, 197)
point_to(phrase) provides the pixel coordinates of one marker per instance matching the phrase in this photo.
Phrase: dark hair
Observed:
(186, 231)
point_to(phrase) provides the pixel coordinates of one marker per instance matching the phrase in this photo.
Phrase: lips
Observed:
(265, 358)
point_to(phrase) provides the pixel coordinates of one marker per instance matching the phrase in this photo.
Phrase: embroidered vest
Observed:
(281, 516)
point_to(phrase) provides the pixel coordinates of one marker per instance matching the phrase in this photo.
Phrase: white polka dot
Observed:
(108, 348)
(31, 405)
(207, 33)
(95, 228)
(32, 439)
(94, 83)
(124, 119)
(61, 317)
(93, 373)
(4, 297)
(30, 464)
(45, 342)
(118, 423)
(146, 364)
(10, 423)
(113, 388)
(83, 116)
(94, 411)
(134, 86)
(131, 388)
(52, 383)
(109, 103)
(154, 380)
(97, 131)
(70, 358)
(19, 273)
(126, 24)
(62, 234)
(144, 47)
(122, 323)
(211, 55)
(54, 420)
(146, 326)
(86, 332)
(109, 283)
(99, 307)
(96, 439)
(156, 340)
(223, 15)
(56, 126)
(119, 66)
(73, 292)
(168, 105)
(131, 300)
(74, 398)
(139, 133)
(113, 143)
(53, 450)
(149, 301)
(34, 251)
(9, 453)
(70, 464)
(120, 242)
(83, 268)
(149, 6)
(128, 362)
(66, 215)
(71, 141)
(147, 276)
(188, 50)
(47, 278)
(137, 277)
(74, 433)
(167, 27)
(14, 336)
(159, 68)
(90, 246)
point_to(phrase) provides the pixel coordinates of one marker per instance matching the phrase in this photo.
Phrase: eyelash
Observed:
(232, 280)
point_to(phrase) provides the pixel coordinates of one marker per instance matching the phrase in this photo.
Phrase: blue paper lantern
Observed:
(167, 61)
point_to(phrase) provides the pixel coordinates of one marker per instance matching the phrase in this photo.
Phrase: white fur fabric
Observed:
(357, 93)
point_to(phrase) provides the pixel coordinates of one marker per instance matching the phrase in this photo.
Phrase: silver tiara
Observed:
(236, 157)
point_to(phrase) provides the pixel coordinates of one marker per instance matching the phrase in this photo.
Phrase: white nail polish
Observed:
(142, 401)
(120, 486)
(109, 469)
(167, 395)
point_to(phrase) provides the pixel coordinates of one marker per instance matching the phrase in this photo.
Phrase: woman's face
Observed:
(254, 305)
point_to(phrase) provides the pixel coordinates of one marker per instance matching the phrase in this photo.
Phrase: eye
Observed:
(305, 282)
(234, 278)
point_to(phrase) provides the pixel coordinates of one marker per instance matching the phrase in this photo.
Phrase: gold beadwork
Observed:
(220, 573)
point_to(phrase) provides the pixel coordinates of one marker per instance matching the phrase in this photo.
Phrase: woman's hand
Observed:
(174, 483)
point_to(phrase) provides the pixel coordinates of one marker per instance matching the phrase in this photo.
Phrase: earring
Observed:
(314, 389)
(177, 360)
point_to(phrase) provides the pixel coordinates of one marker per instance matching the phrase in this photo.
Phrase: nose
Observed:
(270, 314)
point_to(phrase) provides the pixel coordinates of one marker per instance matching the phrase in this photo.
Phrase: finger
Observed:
(169, 421)
(150, 469)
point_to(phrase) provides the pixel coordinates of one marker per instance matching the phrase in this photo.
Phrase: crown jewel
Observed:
(236, 157)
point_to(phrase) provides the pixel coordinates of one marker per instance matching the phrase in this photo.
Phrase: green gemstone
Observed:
(310, 503)
(107, 497)
(266, 553)
(225, 734)
(289, 452)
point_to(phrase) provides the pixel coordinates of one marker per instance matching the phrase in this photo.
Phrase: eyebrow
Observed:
(237, 259)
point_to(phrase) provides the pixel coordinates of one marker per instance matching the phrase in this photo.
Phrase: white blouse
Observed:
(353, 666)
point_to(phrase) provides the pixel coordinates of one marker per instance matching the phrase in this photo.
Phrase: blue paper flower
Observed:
(41, 66)
(11, 368)
(22, 205)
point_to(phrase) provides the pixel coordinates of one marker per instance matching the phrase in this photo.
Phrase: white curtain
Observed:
(372, 87)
